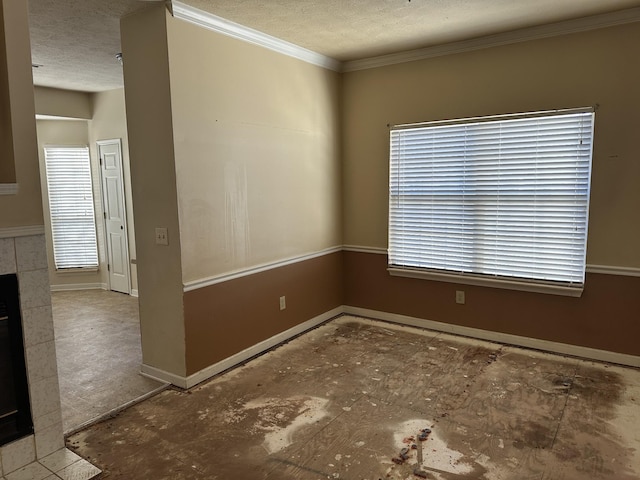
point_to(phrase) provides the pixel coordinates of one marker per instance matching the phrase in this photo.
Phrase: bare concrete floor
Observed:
(342, 401)
(98, 350)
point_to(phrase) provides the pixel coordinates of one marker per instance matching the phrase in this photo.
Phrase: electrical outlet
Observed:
(162, 237)
(283, 302)
(460, 297)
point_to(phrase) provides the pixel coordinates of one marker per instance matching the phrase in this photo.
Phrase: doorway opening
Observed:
(95, 309)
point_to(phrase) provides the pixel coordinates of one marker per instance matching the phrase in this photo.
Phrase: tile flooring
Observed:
(60, 465)
(97, 337)
(344, 400)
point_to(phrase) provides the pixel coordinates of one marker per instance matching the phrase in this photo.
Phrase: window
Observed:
(71, 206)
(497, 201)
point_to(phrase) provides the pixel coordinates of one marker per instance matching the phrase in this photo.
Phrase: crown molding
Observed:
(226, 27)
(223, 26)
(516, 36)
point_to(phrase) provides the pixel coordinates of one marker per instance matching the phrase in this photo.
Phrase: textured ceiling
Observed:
(355, 29)
(75, 41)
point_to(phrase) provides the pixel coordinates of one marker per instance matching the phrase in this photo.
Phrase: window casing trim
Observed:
(492, 118)
(486, 281)
(76, 270)
(571, 288)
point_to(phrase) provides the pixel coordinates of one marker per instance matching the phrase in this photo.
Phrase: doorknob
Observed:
(121, 227)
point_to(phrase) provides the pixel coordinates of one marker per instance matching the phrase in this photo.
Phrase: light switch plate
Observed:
(162, 237)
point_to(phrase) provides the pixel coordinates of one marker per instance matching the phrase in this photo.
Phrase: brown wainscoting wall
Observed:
(226, 318)
(606, 317)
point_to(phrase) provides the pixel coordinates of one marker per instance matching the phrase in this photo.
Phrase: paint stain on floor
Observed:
(346, 399)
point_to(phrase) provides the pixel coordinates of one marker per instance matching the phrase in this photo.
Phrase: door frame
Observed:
(100, 143)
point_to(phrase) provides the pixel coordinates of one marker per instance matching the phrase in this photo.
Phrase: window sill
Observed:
(8, 188)
(70, 271)
(487, 282)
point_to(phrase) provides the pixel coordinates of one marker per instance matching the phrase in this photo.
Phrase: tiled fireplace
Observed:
(26, 256)
(40, 455)
(15, 408)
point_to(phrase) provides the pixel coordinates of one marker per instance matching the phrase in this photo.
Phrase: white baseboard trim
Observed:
(505, 338)
(134, 292)
(537, 344)
(238, 358)
(78, 286)
(115, 411)
(163, 376)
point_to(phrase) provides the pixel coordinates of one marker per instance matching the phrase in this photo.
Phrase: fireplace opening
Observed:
(15, 412)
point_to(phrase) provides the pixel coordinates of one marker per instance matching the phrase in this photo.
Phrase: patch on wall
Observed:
(236, 214)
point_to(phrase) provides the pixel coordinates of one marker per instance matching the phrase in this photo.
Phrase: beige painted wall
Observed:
(153, 181)
(109, 122)
(257, 153)
(238, 156)
(24, 208)
(62, 103)
(7, 165)
(597, 67)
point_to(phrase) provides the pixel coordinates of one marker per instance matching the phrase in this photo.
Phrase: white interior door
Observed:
(115, 220)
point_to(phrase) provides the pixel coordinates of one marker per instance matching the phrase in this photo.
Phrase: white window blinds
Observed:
(71, 207)
(497, 197)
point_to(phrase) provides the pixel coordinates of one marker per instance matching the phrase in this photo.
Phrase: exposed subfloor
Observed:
(98, 351)
(343, 400)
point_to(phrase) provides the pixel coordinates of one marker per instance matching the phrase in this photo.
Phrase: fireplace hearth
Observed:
(15, 412)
